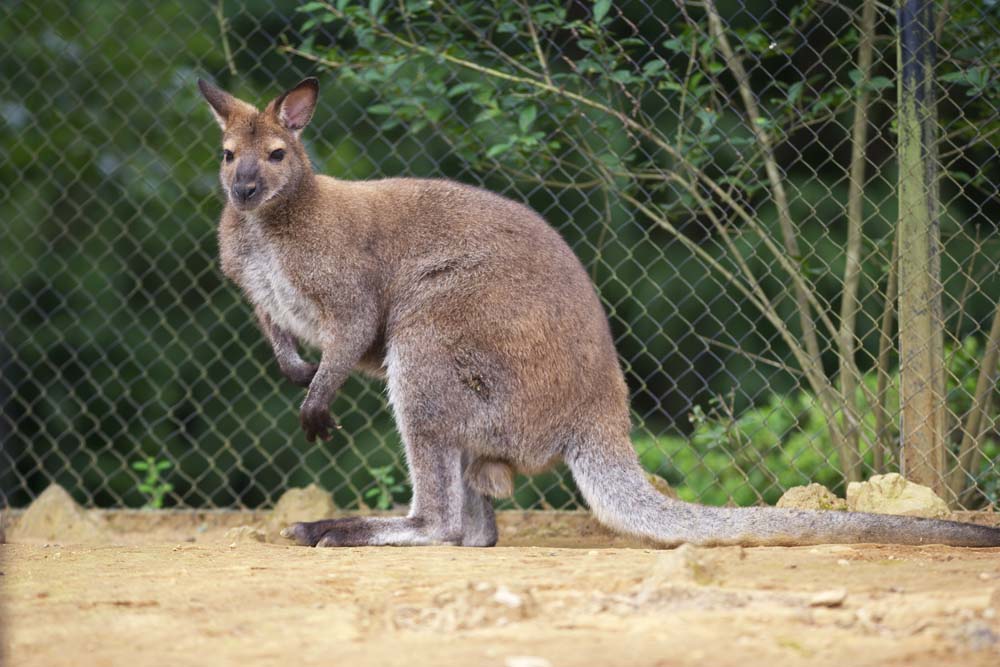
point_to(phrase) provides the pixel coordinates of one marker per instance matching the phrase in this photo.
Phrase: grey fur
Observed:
(493, 343)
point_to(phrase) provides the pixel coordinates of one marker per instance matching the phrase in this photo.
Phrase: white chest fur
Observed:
(267, 285)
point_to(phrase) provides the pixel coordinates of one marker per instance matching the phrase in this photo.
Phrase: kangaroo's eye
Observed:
(276, 155)
(227, 155)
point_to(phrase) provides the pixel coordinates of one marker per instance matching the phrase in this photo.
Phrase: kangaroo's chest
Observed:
(266, 282)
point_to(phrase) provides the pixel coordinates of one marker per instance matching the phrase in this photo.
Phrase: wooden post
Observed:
(921, 330)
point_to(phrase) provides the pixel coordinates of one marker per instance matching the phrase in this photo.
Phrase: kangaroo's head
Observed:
(263, 159)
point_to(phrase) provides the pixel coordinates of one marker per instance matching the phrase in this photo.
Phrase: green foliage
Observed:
(750, 458)
(153, 486)
(784, 442)
(385, 489)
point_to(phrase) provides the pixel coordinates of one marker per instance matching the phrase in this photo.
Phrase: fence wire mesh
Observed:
(732, 175)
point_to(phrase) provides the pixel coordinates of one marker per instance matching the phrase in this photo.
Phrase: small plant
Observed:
(153, 486)
(385, 487)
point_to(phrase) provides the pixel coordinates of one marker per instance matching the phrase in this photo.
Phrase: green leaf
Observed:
(460, 88)
(486, 114)
(795, 92)
(676, 44)
(380, 109)
(707, 118)
(498, 149)
(880, 82)
(601, 8)
(374, 6)
(527, 117)
(309, 7)
(653, 66)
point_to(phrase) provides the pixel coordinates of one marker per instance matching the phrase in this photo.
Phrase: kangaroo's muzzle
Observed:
(247, 181)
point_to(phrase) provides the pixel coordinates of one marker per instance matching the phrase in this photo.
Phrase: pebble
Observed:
(831, 598)
(507, 598)
(526, 661)
(843, 562)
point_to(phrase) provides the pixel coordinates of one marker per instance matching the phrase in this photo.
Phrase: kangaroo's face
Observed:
(261, 152)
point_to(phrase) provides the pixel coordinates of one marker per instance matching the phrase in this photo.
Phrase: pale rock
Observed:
(893, 494)
(831, 598)
(684, 565)
(526, 661)
(811, 497)
(56, 517)
(310, 503)
(243, 534)
(661, 485)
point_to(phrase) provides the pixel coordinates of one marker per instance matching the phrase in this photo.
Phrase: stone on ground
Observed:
(243, 535)
(661, 485)
(893, 494)
(55, 517)
(811, 497)
(310, 503)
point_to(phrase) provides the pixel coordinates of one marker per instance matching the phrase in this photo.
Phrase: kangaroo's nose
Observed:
(244, 191)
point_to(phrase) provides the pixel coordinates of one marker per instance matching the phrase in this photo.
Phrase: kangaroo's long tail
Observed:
(618, 492)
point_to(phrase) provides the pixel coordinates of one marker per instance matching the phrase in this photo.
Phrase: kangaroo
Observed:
(489, 334)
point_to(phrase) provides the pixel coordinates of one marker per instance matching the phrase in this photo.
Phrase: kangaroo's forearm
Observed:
(315, 414)
(339, 358)
(291, 364)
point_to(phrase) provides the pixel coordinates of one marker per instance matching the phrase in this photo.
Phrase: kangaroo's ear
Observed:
(294, 108)
(223, 104)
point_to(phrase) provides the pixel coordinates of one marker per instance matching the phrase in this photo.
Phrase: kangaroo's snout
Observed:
(247, 181)
(243, 192)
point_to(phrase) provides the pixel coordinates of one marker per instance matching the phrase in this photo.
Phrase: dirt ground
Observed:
(166, 588)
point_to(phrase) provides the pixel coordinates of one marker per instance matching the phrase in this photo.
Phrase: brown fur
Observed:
(495, 347)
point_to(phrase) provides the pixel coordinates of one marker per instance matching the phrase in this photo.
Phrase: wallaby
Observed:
(491, 338)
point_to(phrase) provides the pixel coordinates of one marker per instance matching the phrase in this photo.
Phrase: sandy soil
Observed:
(189, 589)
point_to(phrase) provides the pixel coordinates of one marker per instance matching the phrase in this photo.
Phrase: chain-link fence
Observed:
(759, 192)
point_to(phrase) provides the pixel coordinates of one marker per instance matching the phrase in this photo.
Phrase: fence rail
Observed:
(770, 206)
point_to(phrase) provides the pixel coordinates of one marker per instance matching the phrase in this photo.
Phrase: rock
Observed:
(526, 661)
(55, 517)
(893, 494)
(812, 497)
(305, 504)
(243, 534)
(661, 485)
(508, 598)
(831, 598)
(684, 565)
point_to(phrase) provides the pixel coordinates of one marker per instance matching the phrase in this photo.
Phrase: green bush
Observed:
(784, 442)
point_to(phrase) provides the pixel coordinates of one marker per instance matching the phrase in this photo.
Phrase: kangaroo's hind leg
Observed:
(479, 524)
(436, 412)
(436, 514)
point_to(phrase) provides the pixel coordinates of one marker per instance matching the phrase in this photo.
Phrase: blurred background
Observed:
(731, 174)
